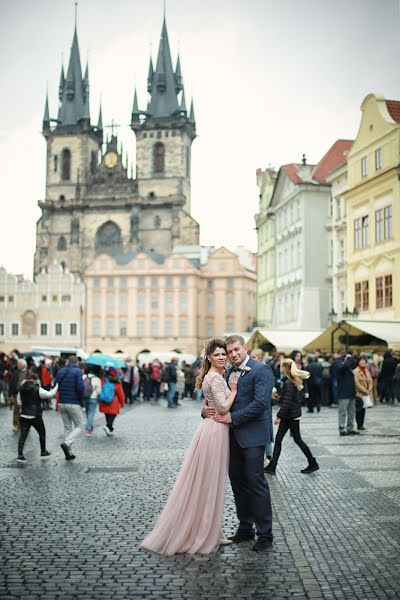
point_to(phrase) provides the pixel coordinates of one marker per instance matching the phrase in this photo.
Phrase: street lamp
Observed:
(332, 314)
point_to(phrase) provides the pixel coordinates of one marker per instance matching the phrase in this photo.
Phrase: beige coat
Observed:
(363, 383)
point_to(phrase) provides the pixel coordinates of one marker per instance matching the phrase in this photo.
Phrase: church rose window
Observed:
(66, 164)
(159, 157)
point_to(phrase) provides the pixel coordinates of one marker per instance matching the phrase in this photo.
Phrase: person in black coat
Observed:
(30, 397)
(388, 369)
(289, 414)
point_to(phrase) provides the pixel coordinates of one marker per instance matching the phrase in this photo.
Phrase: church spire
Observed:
(178, 76)
(150, 76)
(46, 116)
(100, 121)
(191, 114)
(74, 90)
(135, 108)
(164, 101)
(183, 102)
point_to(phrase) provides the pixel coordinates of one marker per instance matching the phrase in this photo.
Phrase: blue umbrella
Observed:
(105, 361)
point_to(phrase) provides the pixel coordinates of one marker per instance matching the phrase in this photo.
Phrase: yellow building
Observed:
(162, 303)
(373, 212)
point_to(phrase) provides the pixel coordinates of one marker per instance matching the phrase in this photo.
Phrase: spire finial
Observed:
(165, 8)
(76, 12)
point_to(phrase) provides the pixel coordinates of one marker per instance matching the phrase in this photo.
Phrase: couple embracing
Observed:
(231, 438)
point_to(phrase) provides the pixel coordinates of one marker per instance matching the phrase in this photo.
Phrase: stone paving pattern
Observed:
(71, 530)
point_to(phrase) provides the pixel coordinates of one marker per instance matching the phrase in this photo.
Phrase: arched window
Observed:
(66, 164)
(108, 239)
(62, 243)
(159, 157)
(157, 221)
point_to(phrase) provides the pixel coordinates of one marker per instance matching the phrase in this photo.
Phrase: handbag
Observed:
(359, 403)
(367, 402)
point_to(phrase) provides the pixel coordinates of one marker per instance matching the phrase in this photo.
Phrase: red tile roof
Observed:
(393, 107)
(334, 158)
(291, 170)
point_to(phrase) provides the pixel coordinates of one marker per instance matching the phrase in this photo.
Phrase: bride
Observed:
(191, 520)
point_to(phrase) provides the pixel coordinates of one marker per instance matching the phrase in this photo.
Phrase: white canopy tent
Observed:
(283, 340)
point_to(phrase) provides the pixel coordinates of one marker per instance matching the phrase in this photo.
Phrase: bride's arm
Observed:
(218, 387)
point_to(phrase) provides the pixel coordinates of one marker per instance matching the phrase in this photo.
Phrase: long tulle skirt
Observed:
(191, 520)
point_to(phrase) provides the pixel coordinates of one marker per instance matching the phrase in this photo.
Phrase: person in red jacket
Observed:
(111, 409)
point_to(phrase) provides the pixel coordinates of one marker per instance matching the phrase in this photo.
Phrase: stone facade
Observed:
(47, 312)
(92, 204)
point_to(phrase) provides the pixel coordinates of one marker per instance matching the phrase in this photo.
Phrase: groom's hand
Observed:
(223, 418)
(208, 412)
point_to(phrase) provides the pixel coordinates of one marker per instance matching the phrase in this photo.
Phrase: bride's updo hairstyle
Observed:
(209, 347)
(293, 373)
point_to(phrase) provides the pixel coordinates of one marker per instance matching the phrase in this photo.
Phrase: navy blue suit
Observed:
(250, 432)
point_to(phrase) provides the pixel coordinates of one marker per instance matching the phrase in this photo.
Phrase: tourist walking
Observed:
(112, 399)
(343, 369)
(191, 521)
(70, 387)
(289, 414)
(91, 393)
(363, 381)
(30, 398)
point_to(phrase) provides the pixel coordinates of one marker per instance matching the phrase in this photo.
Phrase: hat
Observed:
(113, 372)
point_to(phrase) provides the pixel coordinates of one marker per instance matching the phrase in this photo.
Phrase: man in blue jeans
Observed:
(171, 377)
(70, 387)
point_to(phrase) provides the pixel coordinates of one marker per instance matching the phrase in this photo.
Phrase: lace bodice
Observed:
(216, 392)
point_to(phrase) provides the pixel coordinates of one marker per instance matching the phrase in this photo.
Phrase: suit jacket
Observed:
(251, 410)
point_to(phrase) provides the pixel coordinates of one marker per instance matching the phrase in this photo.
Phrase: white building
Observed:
(300, 207)
(47, 312)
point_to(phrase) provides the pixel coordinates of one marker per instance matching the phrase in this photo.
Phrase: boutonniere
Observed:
(245, 370)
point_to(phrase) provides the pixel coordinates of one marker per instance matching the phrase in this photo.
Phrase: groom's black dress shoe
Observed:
(262, 544)
(241, 536)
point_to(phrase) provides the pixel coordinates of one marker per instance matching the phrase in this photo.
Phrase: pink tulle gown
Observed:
(191, 520)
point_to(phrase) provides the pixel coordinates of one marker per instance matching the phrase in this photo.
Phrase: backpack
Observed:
(326, 373)
(87, 387)
(107, 392)
(373, 369)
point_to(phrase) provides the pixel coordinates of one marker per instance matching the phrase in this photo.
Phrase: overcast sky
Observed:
(271, 79)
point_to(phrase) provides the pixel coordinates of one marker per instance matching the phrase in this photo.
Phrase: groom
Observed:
(249, 434)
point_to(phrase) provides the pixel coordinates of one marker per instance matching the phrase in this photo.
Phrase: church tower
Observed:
(73, 145)
(92, 205)
(164, 135)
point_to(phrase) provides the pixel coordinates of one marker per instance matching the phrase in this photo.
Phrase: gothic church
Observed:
(92, 205)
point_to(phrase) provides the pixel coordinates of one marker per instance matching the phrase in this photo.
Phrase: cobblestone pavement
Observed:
(70, 530)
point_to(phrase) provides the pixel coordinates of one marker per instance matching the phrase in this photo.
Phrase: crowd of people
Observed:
(351, 382)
